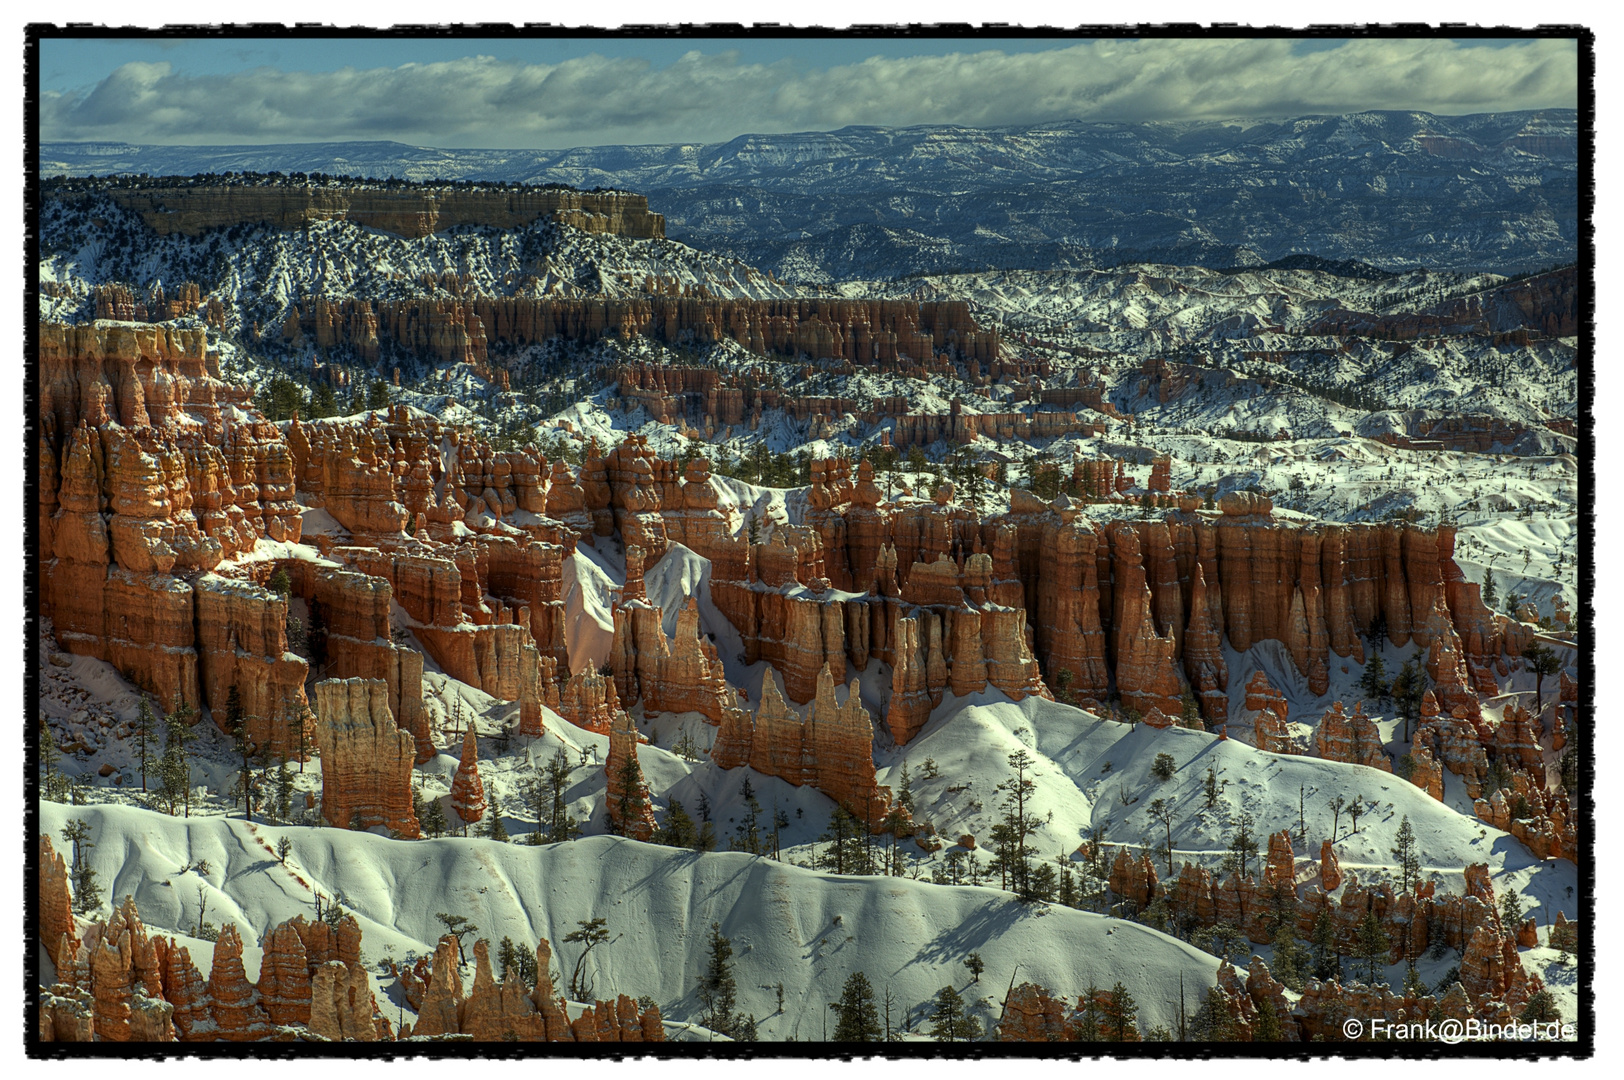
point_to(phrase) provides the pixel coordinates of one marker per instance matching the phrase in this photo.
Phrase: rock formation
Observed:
(1268, 709)
(1351, 738)
(831, 750)
(366, 776)
(630, 806)
(467, 790)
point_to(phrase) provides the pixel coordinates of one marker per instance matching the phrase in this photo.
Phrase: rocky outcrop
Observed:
(58, 932)
(1330, 873)
(413, 212)
(831, 750)
(366, 775)
(234, 1002)
(1350, 738)
(1453, 740)
(242, 647)
(1267, 707)
(1426, 772)
(630, 806)
(589, 701)
(1134, 880)
(1204, 662)
(677, 674)
(467, 789)
(441, 1010)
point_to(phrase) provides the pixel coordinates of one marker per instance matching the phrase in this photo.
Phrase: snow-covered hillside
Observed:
(804, 929)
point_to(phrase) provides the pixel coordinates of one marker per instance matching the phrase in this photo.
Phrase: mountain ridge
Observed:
(1381, 187)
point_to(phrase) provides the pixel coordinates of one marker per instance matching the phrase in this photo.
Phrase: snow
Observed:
(805, 929)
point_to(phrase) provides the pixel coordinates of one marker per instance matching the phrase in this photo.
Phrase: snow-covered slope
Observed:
(805, 929)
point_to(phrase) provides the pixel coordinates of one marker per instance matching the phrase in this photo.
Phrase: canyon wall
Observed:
(412, 212)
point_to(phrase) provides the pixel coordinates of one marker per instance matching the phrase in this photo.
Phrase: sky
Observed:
(552, 93)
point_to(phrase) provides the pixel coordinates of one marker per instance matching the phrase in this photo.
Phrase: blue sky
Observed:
(560, 92)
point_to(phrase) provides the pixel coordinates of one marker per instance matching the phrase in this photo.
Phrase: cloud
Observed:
(479, 101)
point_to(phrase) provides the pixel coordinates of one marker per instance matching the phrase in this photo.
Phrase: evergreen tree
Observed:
(1163, 811)
(1243, 843)
(1017, 825)
(589, 934)
(976, 966)
(1267, 1028)
(905, 799)
(1088, 1015)
(633, 799)
(1407, 857)
(1543, 662)
(1327, 960)
(146, 734)
(747, 834)
(1541, 1008)
(494, 829)
(175, 771)
(678, 830)
(1373, 682)
(717, 990)
(1121, 1019)
(1289, 957)
(949, 1021)
(284, 791)
(858, 1017)
(456, 926)
(378, 395)
(847, 852)
(433, 819)
(1372, 943)
(1190, 712)
(1213, 1022)
(86, 888)
(53, 784)
(1408, 690)
(519, 961)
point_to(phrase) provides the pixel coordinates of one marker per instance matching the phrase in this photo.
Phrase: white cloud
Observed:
(706, 97)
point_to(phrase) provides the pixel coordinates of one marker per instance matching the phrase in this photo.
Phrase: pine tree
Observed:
(678, 830)
(1017, 824)
(1088, 1019)
(976, 966)
(1408, 690)
(846, 853)
(175, 771)
(433, 818)
(456, 926)
(1373, 682)
(1543, 662)
(146, 732)
(1289, 957)
(494, 829)
(1267, 1028)
(1243, 844)
(858, 1018)
(1327, 959)
(1372, 943)
(1541, 1008)
(589, 934)
(949, 1021)
(519, 961)
(86, 889)
(53, 784)
(1408, 859)
(1121, 1019)
(718, 991)
(284, 791)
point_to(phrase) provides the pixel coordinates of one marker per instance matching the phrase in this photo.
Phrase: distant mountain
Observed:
(1495, 191)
